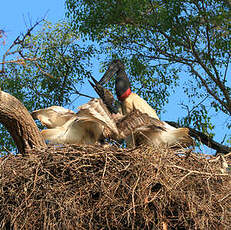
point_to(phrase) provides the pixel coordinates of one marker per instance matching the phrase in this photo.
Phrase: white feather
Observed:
(54, 116)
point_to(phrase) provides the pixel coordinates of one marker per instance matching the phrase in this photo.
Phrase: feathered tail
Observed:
(178, 136)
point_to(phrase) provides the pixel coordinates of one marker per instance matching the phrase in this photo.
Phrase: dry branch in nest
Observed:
(90, 187)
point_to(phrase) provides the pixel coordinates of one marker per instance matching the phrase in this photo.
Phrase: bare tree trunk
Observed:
(18, 121)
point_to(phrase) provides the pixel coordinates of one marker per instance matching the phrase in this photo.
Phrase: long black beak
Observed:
(100, 90)
(113, 68)
(105, 95)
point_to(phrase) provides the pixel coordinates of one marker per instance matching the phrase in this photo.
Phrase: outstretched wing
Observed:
(136, 122)
(72, 132)
(150, 130)
(95, 110)
(85, 127)
(54, 116)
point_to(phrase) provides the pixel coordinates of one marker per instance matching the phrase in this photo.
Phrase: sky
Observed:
(17, 16)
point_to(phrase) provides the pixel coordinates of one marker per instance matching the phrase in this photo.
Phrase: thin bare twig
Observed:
(18, 41)
(44, 72)
(19, 61)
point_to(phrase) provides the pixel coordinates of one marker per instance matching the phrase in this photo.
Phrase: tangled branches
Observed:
(91, 187)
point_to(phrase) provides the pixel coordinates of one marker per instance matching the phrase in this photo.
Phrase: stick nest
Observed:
(91, 187)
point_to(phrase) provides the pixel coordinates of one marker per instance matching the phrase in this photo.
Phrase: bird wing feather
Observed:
(72, 132)
(54, 116)
(95, 110)
(136, 122)
(151, 130)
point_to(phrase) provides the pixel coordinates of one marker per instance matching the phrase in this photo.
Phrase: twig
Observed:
(82, 94)
(44, 72)
(133, 198)
(229, 194)
(196, 172)
(19, 61)
(104, 169)
(18, 41)
(182, 178)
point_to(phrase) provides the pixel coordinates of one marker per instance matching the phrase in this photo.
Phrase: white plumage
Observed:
(93, 121)
(66, 127)
(54, 116)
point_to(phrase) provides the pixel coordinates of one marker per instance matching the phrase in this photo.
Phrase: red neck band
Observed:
(125, 94)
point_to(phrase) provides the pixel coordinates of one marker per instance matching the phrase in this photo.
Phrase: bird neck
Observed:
(125, 94)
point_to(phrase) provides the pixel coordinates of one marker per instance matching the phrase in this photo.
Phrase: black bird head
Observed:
(122, 84)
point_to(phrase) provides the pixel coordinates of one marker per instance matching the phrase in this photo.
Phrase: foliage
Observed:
(168, 46)
(48, 67)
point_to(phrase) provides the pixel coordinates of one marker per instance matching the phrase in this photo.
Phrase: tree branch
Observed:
(42, 71)
(18, 41)
(19, 123)
(209, 90)
(226, 69)
(216, 80)
(82, 94)
(19, 61)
